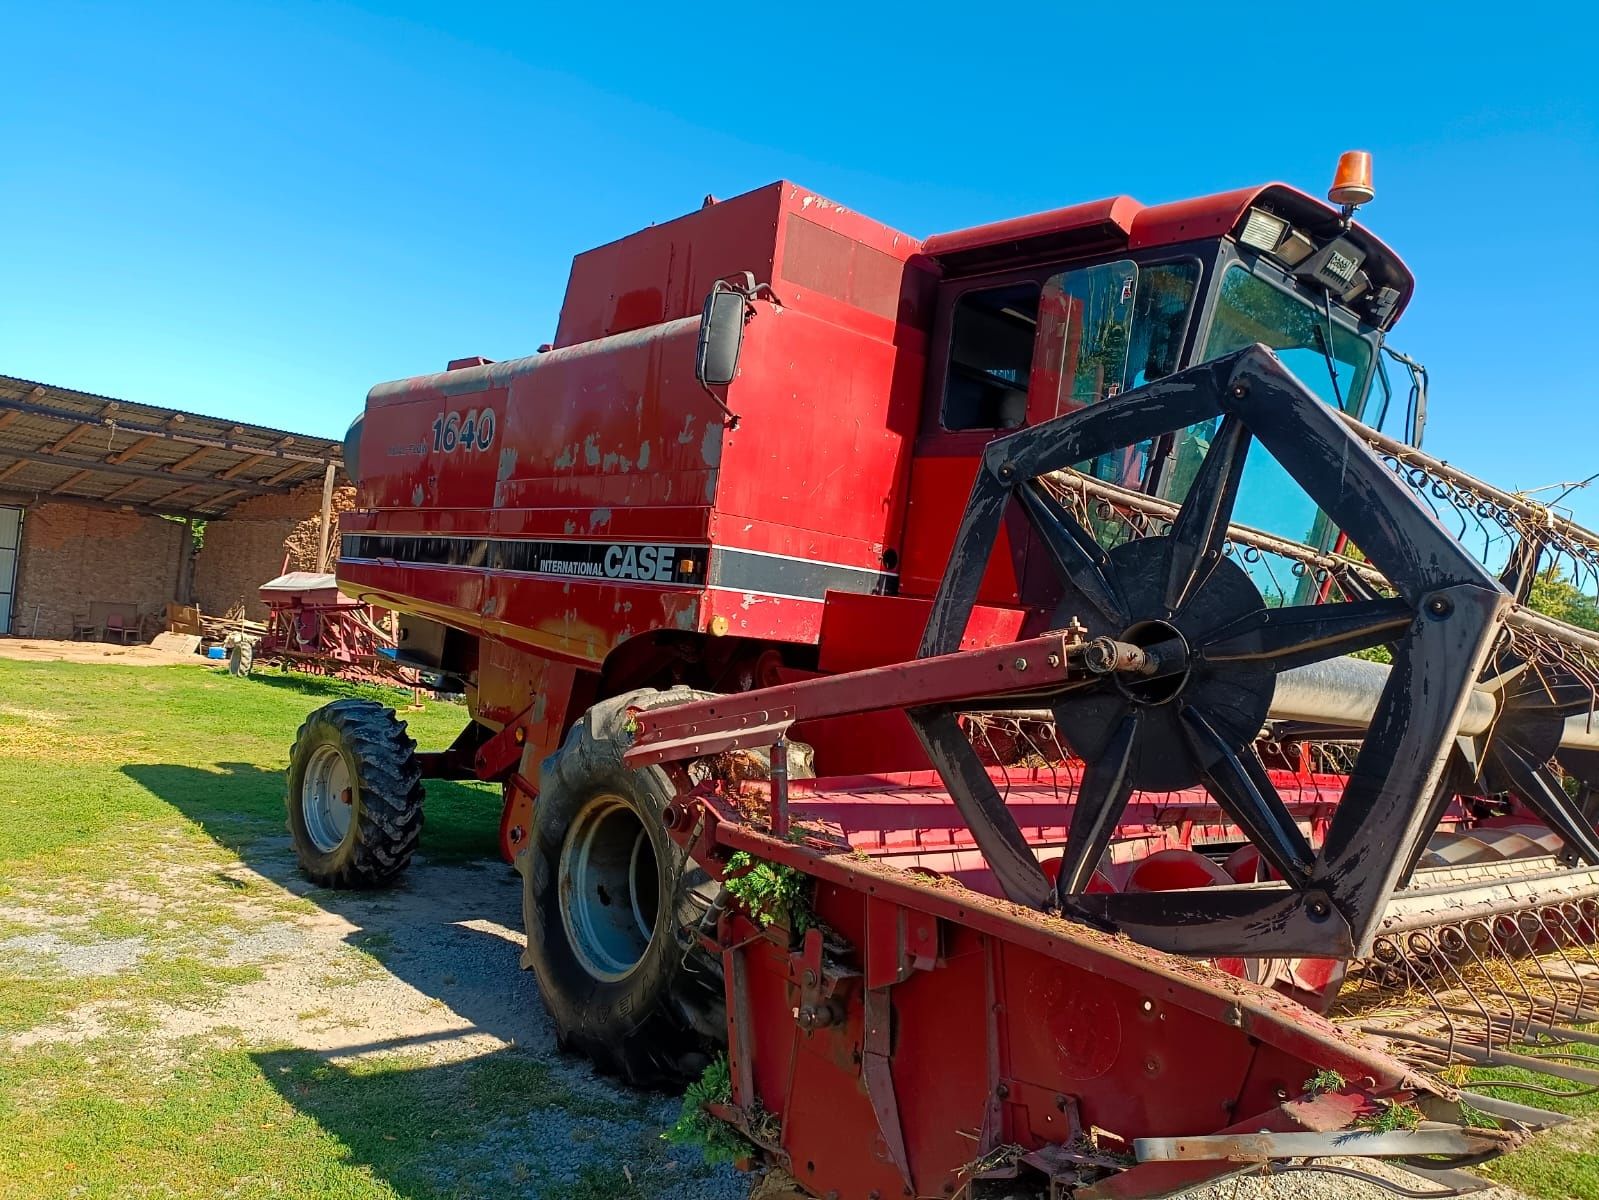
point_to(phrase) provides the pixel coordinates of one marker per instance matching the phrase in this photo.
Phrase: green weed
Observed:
(770, 892)
(718, 1141)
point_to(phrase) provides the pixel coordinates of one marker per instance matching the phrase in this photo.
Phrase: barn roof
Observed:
(60, 444)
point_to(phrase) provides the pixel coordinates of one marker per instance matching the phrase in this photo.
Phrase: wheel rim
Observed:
(609, 887)
(327, 798)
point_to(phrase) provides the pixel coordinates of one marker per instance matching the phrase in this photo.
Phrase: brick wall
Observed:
(247, 547)
(73, 555)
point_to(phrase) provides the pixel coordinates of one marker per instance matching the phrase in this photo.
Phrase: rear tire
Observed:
(354, 795)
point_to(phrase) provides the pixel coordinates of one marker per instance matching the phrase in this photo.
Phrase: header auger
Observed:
(1049, 742)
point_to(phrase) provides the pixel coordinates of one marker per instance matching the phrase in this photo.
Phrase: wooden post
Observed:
(325, 560)
(185, 563)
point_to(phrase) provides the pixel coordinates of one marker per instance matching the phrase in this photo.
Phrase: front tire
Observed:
(354, 795)
(611, 905)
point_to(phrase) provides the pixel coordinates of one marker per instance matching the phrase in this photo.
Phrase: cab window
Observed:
(990, 358)
(1106, 328)
(1160, 320)
(1251, 310)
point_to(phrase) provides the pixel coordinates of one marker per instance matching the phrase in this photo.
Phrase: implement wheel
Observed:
(354, 795)
(612, 906)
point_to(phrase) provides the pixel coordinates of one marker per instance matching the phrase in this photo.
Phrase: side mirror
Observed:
(721, 336)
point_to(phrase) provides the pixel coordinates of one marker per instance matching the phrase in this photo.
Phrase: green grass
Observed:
(129, 798)
(285, 1122)
(99, 762)
(126, 784)
(1564, 1163)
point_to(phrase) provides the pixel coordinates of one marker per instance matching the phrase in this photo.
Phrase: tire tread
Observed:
(389, 821)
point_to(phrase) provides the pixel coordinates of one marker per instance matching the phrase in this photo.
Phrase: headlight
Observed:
(1262, 230)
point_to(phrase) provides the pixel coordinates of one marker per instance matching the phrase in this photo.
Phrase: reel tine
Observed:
(1452, 944)
(1477, 933)
(1530, 923)
(1422, 946)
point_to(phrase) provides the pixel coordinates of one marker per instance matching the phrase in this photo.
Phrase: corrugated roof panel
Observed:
(75, 444)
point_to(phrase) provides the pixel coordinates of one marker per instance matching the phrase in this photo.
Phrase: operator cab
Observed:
(1028, 342)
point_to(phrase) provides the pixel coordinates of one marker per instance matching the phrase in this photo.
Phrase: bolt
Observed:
(1440, 606)
(1020, 664)
(1054, 660)
(1318, 908)
(1006, 470)
(810, 977)
(1240, 390)
(1002, 1090)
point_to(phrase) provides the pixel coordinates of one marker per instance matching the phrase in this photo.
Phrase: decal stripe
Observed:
(737, 571)
(626, 562)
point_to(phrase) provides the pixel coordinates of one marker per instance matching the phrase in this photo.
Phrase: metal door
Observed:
(10, 544)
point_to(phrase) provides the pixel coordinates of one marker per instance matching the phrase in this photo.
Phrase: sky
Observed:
(259, 211)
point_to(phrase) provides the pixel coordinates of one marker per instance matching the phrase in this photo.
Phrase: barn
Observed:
(111, 510)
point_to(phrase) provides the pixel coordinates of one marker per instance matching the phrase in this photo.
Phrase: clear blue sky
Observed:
(260, 211)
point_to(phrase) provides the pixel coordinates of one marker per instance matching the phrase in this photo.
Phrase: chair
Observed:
(84, 626)
(116, 626)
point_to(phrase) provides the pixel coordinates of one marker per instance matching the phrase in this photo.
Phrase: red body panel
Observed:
(961, 1024)
(532, 503)
(592, 520)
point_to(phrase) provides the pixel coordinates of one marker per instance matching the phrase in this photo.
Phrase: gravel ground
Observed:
(1305, 1185)
(445, 988)
(449, 990)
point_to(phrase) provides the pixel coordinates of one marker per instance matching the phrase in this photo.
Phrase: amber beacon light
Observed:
(1351, 184)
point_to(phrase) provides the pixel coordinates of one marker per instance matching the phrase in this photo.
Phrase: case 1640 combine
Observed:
(1002, 691)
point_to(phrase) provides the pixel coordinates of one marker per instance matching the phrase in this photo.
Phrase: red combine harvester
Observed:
(999, 689)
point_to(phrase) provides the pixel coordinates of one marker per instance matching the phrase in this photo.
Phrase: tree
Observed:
(1556, 596)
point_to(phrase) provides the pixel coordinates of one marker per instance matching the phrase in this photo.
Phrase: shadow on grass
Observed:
(237, 804)
(427, 929)
(498, 1125)
(324, 688)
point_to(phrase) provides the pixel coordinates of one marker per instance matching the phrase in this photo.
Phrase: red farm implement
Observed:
(312, 626)
(1002, 691)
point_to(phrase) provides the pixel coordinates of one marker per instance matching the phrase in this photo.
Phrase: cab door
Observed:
(1016, 351)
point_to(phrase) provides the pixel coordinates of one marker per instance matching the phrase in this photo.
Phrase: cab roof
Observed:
(1123, 223)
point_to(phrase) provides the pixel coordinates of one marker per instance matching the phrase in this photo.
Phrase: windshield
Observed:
(1251, 310)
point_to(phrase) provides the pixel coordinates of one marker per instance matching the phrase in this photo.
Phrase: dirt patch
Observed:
(417, 968)
(424, 976)
(108, 957)
(55, 650)
(1576, 1136)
